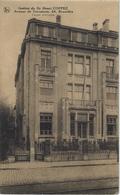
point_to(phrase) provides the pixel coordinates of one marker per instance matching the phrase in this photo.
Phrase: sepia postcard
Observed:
(59, 86)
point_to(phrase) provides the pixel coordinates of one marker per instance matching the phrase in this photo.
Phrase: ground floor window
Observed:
(82, 129)
(83, 125)
(91, 125)
(72, 124)
(46, 123)
(111, 125)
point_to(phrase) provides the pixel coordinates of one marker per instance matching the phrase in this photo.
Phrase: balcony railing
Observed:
(82, 103)
(111, 76)
(47, 71)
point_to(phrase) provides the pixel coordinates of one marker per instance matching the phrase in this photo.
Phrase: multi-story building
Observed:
(67, 83)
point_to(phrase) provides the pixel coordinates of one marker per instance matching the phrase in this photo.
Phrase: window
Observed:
(45, 31)
(74, 36)
(84, 37)
(45, 60)
(78, 93)
(105, 41)
(79, 65)
(87, 66)
(52, 32)
(92, 38)
(72, 124)
(46, 123)
(65, 34)
(46, 84)
(79, 37)
(88, 92)
(111, 93)
(112, 42)
(82, 125)
(111, 125)
(110, 66)
(91, 125)
(70, 64)
(40, 30)
(69, 90)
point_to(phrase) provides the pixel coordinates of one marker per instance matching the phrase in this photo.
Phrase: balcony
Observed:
(85, 104)
(47, 72)
(111, 77)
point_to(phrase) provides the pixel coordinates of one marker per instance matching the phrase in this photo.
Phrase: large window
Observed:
(79, 65)
(82, 125)
(45, 60)
(87, 66)
(111, 93)
(46, 123)
(78, 92)
(70, 64)
(72, 124)
(69, 90)
(110, 66)
(111, 125)
(91, 125)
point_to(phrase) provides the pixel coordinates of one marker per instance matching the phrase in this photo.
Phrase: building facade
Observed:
(67, 83)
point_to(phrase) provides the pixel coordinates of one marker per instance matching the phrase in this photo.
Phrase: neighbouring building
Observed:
(67, 83)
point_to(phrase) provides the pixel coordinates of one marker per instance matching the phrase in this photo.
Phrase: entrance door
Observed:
(82, 129)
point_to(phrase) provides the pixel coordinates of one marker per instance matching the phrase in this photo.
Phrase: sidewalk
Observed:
(41, 164)
(46, 172)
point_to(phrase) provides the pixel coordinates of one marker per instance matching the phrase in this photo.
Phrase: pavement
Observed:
(21, 173)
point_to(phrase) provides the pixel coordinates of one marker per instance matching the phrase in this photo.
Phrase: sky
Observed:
(13, 26)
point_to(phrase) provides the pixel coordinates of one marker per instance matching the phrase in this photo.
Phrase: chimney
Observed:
(106, 25)
(58, 19)
(95, 26)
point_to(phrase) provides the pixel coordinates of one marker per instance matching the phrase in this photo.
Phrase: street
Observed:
(60, 178)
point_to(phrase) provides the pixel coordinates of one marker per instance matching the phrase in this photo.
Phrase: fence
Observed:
(76, 150)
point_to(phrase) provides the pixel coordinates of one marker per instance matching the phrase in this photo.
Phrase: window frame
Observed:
(46, 57)
(77, 65)
(46, 119)
(112, 124)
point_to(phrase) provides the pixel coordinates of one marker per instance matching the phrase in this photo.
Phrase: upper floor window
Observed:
(87, 66)
(69, 90)
(70, 64)
(112, 42)
(45, 31)
(111, 93)
(79, 65)
(65, 34)
(52, 32)
(111, 125)
(45, 60)
(84, 37)
(105, 41)
(110, 66)
(88, 92)
(74, 36)
(40, 30)
(78, 92)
